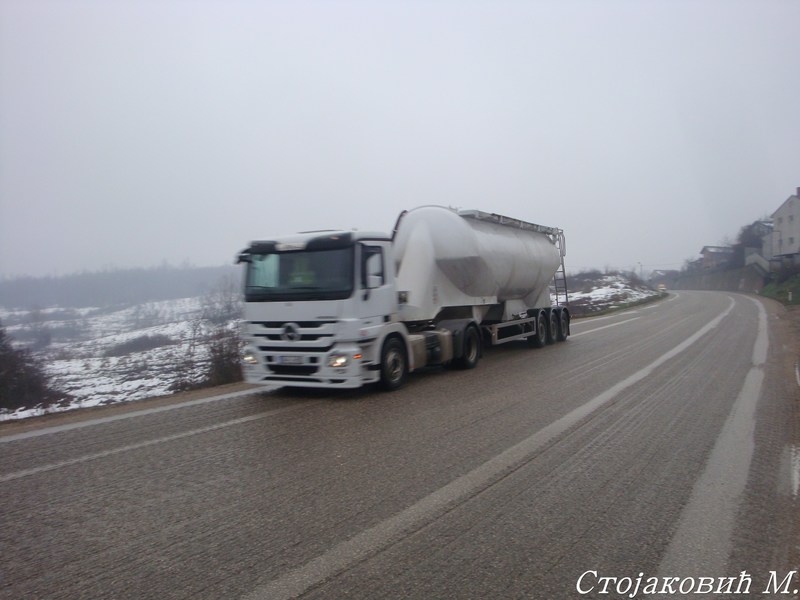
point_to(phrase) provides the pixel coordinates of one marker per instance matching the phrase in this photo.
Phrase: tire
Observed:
(472, 349)
(394, 364)
(552, 327)
(563, 326)
(539, 339)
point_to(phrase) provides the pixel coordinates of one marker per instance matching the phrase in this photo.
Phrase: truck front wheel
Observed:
(394, 365)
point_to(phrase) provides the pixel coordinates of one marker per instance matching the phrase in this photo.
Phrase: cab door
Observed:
(376, 294)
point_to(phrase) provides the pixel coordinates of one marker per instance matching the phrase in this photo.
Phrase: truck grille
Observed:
(314, 336)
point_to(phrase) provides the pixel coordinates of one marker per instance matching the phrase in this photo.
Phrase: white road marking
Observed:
(649, 306)
(797, 372)
(603, 327)
(702, 542)
(145, 444)
(590, 320)
(128, 415)
(363, 545)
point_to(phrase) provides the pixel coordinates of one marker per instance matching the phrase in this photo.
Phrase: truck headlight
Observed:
(337, 361)
(249, 357)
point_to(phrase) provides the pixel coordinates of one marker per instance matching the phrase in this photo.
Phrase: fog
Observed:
(134, 133)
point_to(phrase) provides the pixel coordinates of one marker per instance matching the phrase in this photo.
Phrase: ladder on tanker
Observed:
(560, 277)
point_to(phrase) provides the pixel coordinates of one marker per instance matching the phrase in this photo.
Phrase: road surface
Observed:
(655, 449)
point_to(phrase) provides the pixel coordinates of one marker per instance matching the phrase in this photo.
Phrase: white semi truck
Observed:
(340, 309)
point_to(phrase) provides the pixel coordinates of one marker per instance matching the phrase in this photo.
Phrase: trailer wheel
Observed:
(539, 339)
(552, 326)
(563, 326)
(394, 364)
(472, 349)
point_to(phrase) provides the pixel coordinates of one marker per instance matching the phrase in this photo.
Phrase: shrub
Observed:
(23, 382)
(781, 290)
(224, 351)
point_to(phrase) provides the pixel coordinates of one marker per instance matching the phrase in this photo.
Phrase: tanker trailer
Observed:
(347, 308)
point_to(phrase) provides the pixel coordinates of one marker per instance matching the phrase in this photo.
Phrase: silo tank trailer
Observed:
(341, 309)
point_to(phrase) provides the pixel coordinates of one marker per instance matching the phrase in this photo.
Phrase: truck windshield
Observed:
(300, 275)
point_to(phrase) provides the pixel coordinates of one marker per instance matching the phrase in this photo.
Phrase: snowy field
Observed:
(607, 292)
(107, 355)
(102, 356)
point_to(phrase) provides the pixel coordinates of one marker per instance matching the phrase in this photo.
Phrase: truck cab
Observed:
(319, 308)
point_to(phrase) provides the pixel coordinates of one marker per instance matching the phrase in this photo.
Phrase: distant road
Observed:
(655, 446)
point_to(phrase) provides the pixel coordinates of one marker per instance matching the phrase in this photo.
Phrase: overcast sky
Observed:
(135, 132)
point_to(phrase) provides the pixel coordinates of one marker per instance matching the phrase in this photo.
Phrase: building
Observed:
(715, 257)
(784, 241)
(764, 230)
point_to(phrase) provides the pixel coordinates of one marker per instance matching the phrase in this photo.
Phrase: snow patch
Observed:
(82, 366)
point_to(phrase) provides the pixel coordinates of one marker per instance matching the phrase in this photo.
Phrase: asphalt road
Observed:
(657, 444)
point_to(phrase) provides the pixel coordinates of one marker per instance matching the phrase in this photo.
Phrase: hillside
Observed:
(118, 354)
(593, 292)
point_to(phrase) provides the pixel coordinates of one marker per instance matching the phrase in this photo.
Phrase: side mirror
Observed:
(374, 281)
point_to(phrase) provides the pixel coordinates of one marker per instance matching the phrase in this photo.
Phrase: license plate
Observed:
(290, 360)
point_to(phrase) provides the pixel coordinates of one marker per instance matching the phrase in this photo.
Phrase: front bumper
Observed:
(310, 369)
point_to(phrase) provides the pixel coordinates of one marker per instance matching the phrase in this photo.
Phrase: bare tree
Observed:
(221, 309)
(224, 350)
(223, 303)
